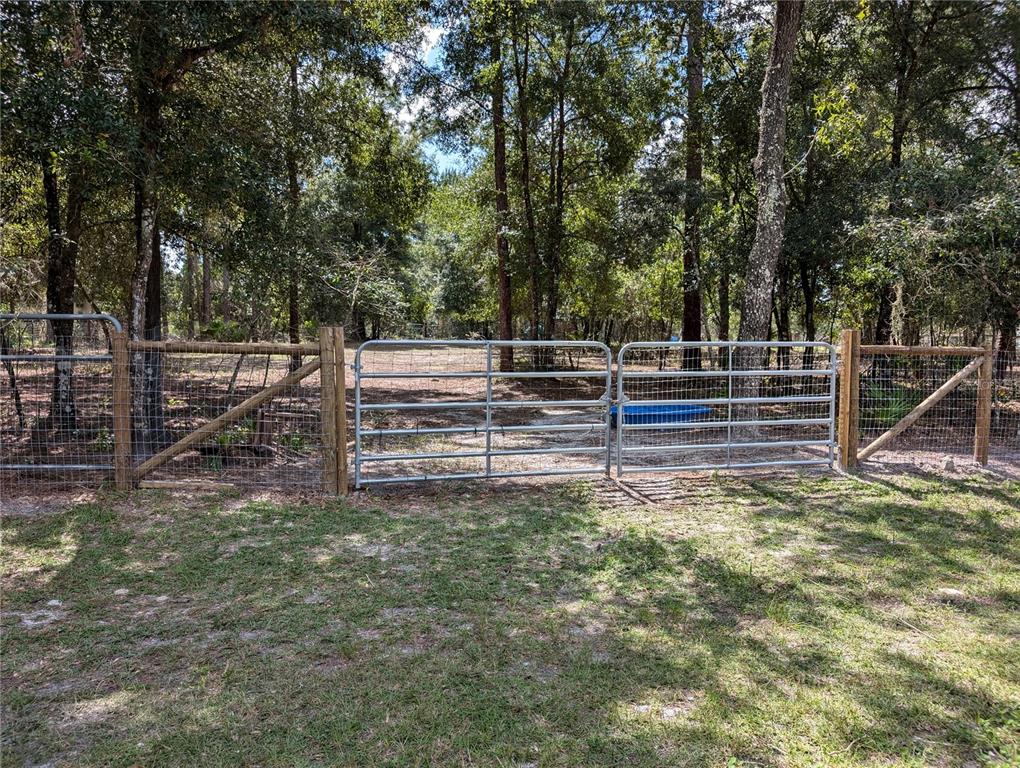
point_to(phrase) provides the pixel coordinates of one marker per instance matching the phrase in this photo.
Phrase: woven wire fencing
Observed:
(277, 445)
(433, 410)
(892, 386)
(1004, 441)
(56, 395)
(706, 407)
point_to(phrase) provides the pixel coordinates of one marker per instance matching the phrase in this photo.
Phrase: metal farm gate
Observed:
(446, 410)
(42, 436)
(443, 410)
(714, 405)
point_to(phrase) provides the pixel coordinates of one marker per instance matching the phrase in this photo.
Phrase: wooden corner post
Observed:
(122, 473)
(983, 420)
(340, 357)
(327, 377)
(849, 398)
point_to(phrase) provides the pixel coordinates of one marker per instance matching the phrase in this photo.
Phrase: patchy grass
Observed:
(788, 621)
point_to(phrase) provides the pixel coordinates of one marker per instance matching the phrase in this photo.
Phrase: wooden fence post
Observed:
(339, 355)
(122, 473)
(327, 386)
(983, 421)
(849, 399)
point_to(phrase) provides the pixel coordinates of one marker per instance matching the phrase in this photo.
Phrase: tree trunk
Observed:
(691, 324)
(506, 354)
(759, 279)
(808, 286)
(554, 255)
(226, 308)
(12, 380)
(146, 204)
(206, 289)
(190, 268)
(152, 435)
(522, 50)
(293, 202)
(154, 292)
(724, 300)
(905, 65)
(1005, 357)
(148, 105)
(293, 317)
(61, 260)
(768, 170)
(360, 327)
(782, 312)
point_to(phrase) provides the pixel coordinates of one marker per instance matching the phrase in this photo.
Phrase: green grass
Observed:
(796, 621)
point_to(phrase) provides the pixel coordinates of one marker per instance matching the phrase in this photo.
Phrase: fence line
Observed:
(275, 415)
(914, 392)
(724, 404)
(209, 410)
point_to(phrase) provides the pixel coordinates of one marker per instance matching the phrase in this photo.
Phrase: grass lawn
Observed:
(787, 621)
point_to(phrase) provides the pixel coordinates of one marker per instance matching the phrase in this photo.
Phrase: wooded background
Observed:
(239, 171)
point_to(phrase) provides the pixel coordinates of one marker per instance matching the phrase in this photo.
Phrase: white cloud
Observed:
(396, 60)
(430, 41)
(410, 109)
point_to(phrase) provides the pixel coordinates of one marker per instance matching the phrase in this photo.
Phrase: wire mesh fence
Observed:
(432, 410)
(892, 386)
(277, 444)
(56, 418)
(58, 410)
(1004, 441)
(719, 404)
(204, 413)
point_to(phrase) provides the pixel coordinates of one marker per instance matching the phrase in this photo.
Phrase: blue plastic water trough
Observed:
(659, 414)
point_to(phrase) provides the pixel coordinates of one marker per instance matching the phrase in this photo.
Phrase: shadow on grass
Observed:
(516, 629)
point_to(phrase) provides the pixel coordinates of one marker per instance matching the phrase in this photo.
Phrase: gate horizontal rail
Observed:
(48, 316)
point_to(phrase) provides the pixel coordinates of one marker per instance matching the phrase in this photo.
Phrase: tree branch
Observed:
(189, 56)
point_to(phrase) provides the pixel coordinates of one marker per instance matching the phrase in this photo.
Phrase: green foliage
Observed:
(902, 144)
(223, 330)
(883, 406)
(239, 433)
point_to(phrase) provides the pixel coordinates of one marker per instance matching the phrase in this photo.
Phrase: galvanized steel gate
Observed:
(679, 406)
(452, 410)
(30, 355)
(724, 404)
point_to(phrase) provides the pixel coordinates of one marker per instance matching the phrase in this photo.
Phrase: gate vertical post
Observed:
(729, 403)
(327, 386)
(340, 377)
(849, 399)
(488, 408)
(357, 416)
(121, 411)
(608, 398)
(983, 420)
(833, 367)
(621, 398)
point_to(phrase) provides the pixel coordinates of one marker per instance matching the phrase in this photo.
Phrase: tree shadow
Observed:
(520, 626)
